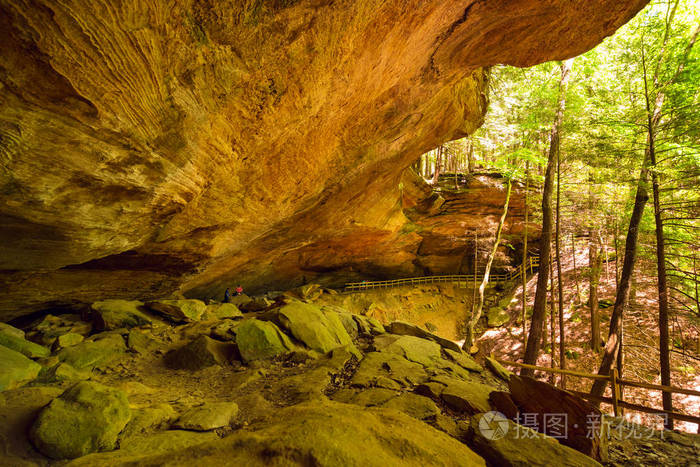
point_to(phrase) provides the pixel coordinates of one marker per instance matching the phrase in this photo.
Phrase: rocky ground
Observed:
(282, 380)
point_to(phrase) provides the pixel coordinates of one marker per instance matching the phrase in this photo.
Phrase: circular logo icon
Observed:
(493, 425)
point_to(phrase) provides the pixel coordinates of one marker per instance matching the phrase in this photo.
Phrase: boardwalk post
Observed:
(615, 391)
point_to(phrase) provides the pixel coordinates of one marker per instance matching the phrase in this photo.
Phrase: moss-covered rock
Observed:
(224, 311)
(179, 311)
(209, 416)
(496, 317)
(407, 329)
(498, 369)
(464, 360)
(94, 353)
(329, 434)
(145, 420)
(465, 396)
(201, 353)
(67, 340)
(116, 314)
(383, 364)
(414, 349)
(87, 417)
(23, 346)
(413, 405)
(11, 330)
(16, 369)
(259, 340)
(320, 331)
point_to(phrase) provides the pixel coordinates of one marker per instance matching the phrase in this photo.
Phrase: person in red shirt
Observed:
(239, 290)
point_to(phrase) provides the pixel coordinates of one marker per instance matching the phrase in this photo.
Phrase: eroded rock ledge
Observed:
(148, 148)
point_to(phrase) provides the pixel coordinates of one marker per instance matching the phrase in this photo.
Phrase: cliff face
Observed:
(155, 147)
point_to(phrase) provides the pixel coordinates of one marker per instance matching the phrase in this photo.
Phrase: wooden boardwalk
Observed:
(463, 280)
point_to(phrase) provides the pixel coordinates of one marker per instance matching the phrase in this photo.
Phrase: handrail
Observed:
(533, 262)
(616, 399)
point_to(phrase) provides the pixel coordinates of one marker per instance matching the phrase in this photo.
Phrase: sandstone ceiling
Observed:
(152, 147)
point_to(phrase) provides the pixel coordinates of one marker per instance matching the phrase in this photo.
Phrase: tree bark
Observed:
(576, 278)
(470, 156)
(594, 263)
(552, 325)
(469, 341)
(560, 287)
(539, 310)
(524, 265)
(438, 160)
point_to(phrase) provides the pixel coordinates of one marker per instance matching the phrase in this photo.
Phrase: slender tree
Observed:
(560, 287)
(538, 314)
(524, 265)
(469, 341)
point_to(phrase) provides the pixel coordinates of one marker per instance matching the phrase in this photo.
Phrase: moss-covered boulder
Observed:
(465, 396)
(87, 417)
(407, 329)
(496, 317)
(224, 311)
(259, 340)
(117, 314)
(328, 434)
(377, 365)
(67, 340)
(209, 416)
(201, 353)
(95, 352)
(16, 369)
(11, 330)
(320, 331)
(415, 349)
(23, 346)
(179, 311)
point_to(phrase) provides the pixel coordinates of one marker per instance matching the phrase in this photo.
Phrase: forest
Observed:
(607, 145)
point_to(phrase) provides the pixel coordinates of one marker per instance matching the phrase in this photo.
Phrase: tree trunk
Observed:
(538, 314)
(576, 278)
(469, 341)
(552, 325)
(438, 160)
(524, 265)
(470, 156)
(664, 342)
(623, 291)
(594, 264)
(560, 287)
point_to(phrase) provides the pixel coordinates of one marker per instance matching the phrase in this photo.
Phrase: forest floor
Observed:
(640, 338)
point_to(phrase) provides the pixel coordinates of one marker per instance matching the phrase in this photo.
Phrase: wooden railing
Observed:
(616, 384)
(461, 279)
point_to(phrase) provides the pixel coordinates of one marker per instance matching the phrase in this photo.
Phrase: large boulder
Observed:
(23, 346)
(15, 369)
(179, 311)
(541, 399)
(87, 417)
(425, 352)
(224, 311)
(95, 352)
(259, 340)
(465, 396)
(504, 443)
(320, 331)
(376, 366)
(11, 330)
(407, 329)
(328, 434)
(201, 353)
(115, 314)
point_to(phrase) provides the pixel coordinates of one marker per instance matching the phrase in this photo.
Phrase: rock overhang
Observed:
(150, 149)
